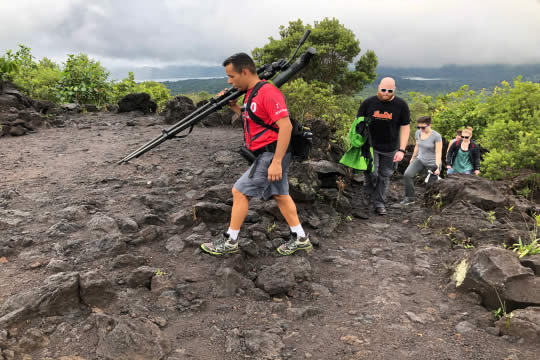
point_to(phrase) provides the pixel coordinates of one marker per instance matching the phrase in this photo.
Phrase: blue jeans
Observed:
(451, 171)
(376, 183)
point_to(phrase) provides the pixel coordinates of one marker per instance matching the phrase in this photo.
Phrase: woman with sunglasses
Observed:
(427, 155)
(463, 156)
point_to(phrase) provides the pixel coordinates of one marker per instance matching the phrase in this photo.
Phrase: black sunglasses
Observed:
(387, 90)
(465, 137)
(421, 127)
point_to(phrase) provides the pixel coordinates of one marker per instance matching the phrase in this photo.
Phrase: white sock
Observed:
(298, 230)
(233, 234)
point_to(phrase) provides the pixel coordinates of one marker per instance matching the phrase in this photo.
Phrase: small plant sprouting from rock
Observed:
(451, 235)
(491, 217)
(500, 312)
(526, 249)
(438, 202)
(271, 227)
(159, 272)
(425, 224)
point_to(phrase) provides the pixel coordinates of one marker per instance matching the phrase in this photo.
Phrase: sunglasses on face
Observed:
(465, 137)
(421, 127)
(387, 90)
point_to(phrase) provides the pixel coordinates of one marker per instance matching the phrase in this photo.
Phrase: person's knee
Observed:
(281, 198)
(237, 194)
(408, 175)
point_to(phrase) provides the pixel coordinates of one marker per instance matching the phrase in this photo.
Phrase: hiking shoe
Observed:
(381, 210)
(406, 202)
(295, 243)
(221, 246)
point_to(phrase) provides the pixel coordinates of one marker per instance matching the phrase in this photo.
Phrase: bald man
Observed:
(389, 130)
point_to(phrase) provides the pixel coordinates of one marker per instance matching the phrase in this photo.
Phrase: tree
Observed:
(336, 46)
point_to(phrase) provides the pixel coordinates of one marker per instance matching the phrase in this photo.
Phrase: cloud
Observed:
(166, 32)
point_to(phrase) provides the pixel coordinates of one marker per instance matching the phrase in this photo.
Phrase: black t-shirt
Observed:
(387, 118)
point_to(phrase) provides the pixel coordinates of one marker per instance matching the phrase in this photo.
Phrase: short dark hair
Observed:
(458, 132)
(241, 61)
(424, 120)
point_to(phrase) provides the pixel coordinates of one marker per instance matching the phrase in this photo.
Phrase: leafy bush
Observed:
(202, 95)
(124, 87)
(157, 91)
(513, 129)
(83, 81)
(8, 66)
(316, 99)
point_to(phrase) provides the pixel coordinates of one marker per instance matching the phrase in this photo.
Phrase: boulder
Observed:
(127, 339)
(532, 262)
(212, 213)
(304, 183)
(328, 172)
(137, 102)
(523, 323)
(58, 296)
(498, 277)
(282, 276)
(177, 109)
(229, 281)
(482, 193)
(96, 289)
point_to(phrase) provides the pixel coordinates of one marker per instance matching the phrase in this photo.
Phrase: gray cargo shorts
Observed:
(258, 185)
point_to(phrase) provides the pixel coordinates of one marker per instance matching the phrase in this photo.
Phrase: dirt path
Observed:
(379, 288)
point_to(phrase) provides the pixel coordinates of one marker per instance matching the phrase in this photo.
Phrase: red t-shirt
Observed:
(269, 105)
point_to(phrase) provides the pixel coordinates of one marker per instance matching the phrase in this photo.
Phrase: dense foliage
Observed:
(80, 80)
(316, 99)
(336, 46)
(506, 122)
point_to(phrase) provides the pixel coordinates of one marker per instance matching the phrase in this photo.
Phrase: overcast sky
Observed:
(185, 32)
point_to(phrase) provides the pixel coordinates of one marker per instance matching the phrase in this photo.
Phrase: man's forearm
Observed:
(404, 136)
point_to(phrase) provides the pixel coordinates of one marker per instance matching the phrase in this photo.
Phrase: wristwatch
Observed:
(403, 151)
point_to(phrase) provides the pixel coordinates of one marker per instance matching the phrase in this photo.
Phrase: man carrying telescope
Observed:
(267, 176)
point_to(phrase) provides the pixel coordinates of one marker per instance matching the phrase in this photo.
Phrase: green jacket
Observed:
(360, 155)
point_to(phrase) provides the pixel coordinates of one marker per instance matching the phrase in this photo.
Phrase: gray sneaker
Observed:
(294, 244)
(221, 246)
(406, 201)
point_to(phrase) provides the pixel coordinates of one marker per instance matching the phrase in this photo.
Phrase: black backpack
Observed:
(301, 137)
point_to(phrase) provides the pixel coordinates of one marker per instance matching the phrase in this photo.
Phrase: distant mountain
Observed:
(168, 72)
(430, 81)
(451, 77)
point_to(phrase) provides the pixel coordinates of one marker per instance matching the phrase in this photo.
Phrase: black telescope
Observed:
(284, 70)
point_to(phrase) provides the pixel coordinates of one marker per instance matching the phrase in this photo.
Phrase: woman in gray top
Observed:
(427, 155)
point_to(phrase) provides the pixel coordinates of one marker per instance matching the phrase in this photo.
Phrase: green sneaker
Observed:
(221, 246)
(295, 243)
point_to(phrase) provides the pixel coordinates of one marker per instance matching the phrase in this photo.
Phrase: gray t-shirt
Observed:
(426, 148)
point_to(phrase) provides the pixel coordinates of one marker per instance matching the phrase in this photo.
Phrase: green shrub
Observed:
(157, 91)
(123, 88)
(316, 99)
(83, 81)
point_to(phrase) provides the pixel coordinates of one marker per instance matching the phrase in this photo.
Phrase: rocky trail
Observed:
(102, 261)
